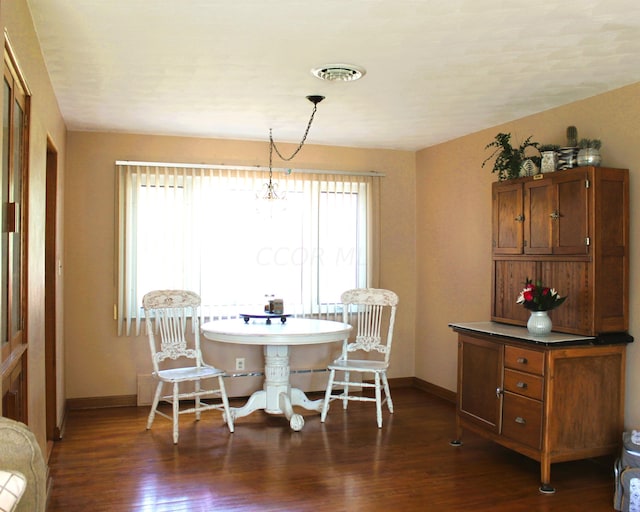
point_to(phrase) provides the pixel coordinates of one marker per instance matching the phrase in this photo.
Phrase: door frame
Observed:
(52, 267)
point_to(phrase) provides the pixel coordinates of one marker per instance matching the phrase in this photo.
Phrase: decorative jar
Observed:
(589, 156)
(549, 161)
(567, 158)
(528, 168)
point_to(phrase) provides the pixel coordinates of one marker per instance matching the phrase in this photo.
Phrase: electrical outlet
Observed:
(239, 363)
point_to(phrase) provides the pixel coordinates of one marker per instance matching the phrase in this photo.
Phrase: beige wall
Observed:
(99, 363)
(46, 124)
(454, 226)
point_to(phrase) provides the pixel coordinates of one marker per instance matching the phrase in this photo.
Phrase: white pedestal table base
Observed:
(277, 395)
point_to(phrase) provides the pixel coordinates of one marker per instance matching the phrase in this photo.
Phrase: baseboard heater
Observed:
(147, 384)
(291, 372)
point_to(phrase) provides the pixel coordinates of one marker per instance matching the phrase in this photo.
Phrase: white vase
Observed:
(539, 323)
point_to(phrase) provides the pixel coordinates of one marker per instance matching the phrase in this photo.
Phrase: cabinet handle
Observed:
(522, 385)
(520, 420)
(555, 215)
(522, 360)
(498, 392)
(519, 218)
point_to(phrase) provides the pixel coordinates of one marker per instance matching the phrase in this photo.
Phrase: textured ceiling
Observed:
(436, 69)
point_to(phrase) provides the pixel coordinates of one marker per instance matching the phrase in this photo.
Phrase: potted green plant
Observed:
(589, 153)
(509, 160)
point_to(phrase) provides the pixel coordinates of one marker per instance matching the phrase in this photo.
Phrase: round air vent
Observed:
(339, 72)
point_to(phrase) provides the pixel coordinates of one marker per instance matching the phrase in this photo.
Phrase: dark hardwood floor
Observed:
(107, 461)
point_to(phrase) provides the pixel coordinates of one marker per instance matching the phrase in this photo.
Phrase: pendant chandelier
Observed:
(269, 190)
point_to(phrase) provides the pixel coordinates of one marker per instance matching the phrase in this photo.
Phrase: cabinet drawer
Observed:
(522, 420)
(523, 359)
(523, 384)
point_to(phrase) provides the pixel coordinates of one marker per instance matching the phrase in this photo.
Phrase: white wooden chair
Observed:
(369, 310)
(166, 315)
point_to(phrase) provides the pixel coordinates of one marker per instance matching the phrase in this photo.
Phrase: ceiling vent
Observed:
(339, 72)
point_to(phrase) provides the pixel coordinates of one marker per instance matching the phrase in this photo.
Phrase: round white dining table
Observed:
(277, 395)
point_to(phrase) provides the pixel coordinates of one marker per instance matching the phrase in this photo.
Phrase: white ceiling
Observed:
(436, 69)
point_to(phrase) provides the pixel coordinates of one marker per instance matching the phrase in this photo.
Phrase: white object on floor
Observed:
(12, 486)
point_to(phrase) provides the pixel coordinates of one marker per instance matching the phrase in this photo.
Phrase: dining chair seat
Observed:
(358, 365)
(189, 373)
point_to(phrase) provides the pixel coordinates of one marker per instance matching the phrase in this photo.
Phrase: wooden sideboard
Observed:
(554, 398)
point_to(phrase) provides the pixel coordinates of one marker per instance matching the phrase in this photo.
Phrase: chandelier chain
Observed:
(270, 188)
(272, 144)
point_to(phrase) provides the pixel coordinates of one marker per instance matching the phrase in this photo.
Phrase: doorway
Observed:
(52, 268)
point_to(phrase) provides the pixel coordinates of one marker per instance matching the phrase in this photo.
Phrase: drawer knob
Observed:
(520, 420)
(522, 360)
(522, 385)
(498, 392)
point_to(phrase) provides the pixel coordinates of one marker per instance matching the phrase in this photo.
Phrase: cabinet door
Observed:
(480, 369)
(508, 218)
(539, 207)
(557, 215)
(508, 281)
(571, 224)
(571, 279)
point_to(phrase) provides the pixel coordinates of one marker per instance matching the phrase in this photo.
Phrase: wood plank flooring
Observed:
(108, 461)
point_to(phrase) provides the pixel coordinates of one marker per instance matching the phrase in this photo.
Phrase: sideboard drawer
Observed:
(522, 420)
(523, 383)
(523, 359)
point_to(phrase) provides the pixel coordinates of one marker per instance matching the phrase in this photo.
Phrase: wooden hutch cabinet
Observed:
(559, 397)
(570, 229)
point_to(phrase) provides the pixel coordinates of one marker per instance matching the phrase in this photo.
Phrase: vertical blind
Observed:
(204, 228)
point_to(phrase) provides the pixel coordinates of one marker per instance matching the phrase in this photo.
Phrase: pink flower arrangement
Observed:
(537, 297)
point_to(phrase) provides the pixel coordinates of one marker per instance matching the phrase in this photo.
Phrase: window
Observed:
(203, 229)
